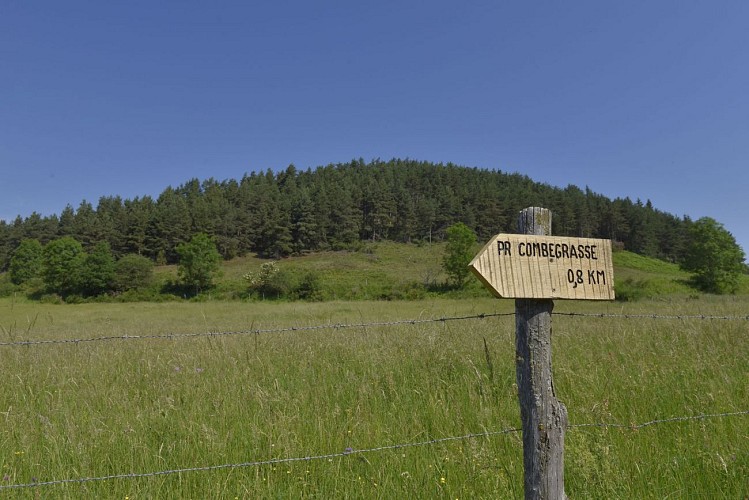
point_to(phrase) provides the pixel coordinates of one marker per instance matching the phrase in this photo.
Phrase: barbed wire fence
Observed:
(344, 326)
(349, 451)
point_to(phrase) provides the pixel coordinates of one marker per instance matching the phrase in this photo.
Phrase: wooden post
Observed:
(543, 416)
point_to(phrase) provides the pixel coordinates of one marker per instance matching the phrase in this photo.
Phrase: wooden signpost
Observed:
(546, 267)
(534, 268)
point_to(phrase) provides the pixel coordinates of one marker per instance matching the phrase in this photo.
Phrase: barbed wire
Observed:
(660, 421)
(350, 451)
(272, 461)
(341, 326)
(331, 326)
(654, 316)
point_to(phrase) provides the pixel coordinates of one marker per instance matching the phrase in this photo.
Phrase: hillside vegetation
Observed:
(341, 206)
(406, 271)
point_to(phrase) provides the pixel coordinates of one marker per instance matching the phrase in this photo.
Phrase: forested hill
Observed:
(336, 206)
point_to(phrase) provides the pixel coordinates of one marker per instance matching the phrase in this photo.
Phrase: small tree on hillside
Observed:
(714, 257)
(62, 263)
(199, 262)
(97, 273)
(26, 262)
(461, 243)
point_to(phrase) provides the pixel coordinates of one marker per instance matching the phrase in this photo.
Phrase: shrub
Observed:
(132, 272)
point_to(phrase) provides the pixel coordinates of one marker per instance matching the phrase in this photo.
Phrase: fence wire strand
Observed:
(288, 329)
(342, 326)
(655, 316)
(349, 451)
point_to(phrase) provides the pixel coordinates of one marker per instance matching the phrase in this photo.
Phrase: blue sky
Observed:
(642, 99)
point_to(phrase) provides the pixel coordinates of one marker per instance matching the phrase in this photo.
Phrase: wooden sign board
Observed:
(546, 267)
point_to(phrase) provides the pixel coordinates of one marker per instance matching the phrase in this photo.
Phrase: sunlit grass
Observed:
(136, 406)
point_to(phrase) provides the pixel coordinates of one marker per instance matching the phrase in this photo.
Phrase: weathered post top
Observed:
(535, 220)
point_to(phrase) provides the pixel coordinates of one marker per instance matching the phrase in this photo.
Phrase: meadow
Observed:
(353, 395)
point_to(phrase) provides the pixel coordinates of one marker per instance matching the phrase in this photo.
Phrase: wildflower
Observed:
(198, 370)
(348, 450)
(177, 369)
(6, 477)
(443, 480)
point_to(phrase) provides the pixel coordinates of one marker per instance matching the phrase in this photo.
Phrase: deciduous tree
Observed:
(198, 262)
(97, 272)
(26, 262)
(461, 243)
(714, 257)
(62, 263)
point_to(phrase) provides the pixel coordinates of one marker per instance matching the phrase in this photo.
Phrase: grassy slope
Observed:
(92, 409)
(384, 270)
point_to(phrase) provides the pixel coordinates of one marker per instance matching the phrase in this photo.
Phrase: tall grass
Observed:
(95, 409)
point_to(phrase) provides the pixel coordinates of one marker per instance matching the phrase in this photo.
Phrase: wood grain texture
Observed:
(546, 267)
(543, 416)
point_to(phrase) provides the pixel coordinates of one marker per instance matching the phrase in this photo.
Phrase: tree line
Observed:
(275, 214)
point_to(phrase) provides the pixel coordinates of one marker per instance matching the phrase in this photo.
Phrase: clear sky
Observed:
(642, 99)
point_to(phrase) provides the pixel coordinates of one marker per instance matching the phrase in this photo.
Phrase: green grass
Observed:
(94, 409)
(392, 271)
(402, 271)
(650, 277)
(377, 271)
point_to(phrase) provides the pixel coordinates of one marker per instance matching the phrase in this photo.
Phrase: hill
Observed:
(338, 207)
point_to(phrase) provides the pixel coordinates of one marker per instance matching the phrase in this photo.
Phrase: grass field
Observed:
(387, 270)
(92, 409)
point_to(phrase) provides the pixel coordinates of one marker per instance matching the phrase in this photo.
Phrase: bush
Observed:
(132, 272)
(269, 282)
(7, 288)
(308, 287)
(629, 290)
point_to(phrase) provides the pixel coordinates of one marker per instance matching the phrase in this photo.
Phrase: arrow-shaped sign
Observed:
(546, 267)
